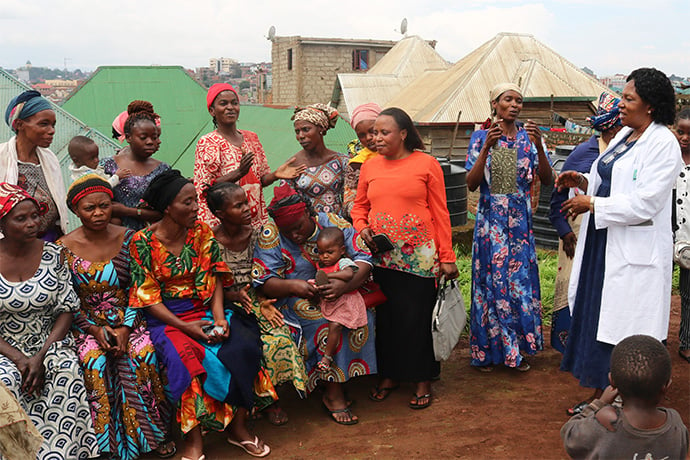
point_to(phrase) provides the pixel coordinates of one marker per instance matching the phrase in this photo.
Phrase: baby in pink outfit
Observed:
(349, 309)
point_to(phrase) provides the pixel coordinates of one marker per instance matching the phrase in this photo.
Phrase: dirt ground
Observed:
(502, 415)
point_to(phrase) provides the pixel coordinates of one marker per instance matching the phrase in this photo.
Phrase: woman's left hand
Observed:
(579, 204)
(122, 340)
(215, 338)
(334, 289)
(533, 132)
(288, 170)
(449, 270)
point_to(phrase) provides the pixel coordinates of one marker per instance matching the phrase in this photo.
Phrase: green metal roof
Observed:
(181, 103)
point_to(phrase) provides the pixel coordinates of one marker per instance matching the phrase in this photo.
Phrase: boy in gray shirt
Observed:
(640, 374)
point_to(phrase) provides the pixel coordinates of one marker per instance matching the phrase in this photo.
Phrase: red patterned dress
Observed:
(216, 157)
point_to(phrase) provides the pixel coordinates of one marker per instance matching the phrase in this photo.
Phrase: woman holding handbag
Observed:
(415, 220)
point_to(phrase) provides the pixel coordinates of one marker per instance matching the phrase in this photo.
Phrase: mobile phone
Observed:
(211, 330)
(383, 243)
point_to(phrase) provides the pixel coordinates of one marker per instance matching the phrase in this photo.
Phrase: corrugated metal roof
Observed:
(405, 62)
(537, 69)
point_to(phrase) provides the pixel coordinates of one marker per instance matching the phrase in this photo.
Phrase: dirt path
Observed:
(505, 414)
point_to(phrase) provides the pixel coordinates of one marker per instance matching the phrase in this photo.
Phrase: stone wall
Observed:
(285, 82)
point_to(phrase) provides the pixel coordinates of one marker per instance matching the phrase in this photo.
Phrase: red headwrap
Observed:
(215, 90)
(11, 195)
(286, 207)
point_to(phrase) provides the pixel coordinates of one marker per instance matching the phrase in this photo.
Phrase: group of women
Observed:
(204, 302)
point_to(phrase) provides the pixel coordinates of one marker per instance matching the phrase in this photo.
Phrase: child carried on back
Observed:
(640, 375)
(349, 309)
(84, 155)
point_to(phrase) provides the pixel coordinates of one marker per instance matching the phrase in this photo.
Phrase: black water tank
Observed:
(455, 177)
(545, 236)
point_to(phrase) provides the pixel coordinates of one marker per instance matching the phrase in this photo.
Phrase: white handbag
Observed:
(448, 318)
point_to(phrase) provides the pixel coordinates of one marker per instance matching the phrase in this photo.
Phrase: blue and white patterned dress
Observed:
(28, 310)
(505, 317)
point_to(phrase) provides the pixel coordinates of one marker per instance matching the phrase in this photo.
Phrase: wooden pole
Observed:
(455, 133)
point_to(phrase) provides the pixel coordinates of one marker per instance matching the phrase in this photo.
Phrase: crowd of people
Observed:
(180, 305)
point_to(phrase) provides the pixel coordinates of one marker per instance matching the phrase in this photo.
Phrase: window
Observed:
(290, 59)
(360, 60)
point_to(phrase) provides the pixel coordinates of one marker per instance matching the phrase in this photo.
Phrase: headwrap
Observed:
(502, 88)
(287, 206)
(11, 195)
(320, 115)
(608, 113)
(23, 106)
(364, 112)
(119, 126)
(164, 188)
(86, 185)
(215, 90)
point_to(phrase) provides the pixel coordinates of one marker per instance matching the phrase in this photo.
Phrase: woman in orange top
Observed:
(401, 194)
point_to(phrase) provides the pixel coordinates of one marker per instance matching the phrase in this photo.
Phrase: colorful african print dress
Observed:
(28, 311)
(206, 380)
(128, 403)
(130, 189)
(277, 256)
(282, 358)
(323, 184)
(505, 316)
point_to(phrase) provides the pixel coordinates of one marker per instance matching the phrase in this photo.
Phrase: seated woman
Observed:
(237, 238)
(284, 259)
(115, 350)
(212, 354)
(26, 160)
(37, 359)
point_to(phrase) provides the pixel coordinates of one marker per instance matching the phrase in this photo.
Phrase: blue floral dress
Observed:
(277, 256)
(505, 316)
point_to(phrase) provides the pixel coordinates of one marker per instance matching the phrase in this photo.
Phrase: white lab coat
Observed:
(636, 297)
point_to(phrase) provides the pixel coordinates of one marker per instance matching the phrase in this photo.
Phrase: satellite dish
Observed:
(403, 26)
(271, 33)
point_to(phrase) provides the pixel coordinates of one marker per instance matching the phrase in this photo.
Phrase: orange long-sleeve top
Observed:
(406, 200)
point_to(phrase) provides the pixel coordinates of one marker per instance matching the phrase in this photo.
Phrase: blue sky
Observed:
(607, 37)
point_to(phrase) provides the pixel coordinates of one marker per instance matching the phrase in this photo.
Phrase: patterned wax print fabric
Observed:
(505, 316)
(323, 184)
(277, 256)
(28, 310)
(207, 380)
(129, 407)
(216, 157)
(282, 359)
(130, 189)
(31, 178)
(19, 438)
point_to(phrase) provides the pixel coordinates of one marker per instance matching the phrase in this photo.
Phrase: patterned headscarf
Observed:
(286, 206)
(364, 112)
(86, 185)
(23, 106)
(320, 115)
(11, 195)
(608, 113)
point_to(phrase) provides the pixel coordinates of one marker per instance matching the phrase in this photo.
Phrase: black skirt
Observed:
(404, 347)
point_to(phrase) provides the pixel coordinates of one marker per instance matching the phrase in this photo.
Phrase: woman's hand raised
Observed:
(571, 179)
(288, 170)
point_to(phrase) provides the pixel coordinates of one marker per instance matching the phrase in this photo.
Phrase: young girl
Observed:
(347, 310)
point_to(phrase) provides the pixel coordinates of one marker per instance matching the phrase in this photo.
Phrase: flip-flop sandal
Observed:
(321, 278)
(523, 367)
(380, 394)
(484, 369)
(203, 457)
(418, 398)
(577, 408)
(347, 411)
(242, 445)
(169, 453)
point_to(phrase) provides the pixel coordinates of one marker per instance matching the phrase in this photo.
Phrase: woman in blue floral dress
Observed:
(505, 317)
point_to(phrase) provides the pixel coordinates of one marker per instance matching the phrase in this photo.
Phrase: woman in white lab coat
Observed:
(621, 277)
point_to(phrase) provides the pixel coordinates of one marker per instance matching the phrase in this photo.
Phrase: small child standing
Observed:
(84, 154)
(640, 374)
(349, 309)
